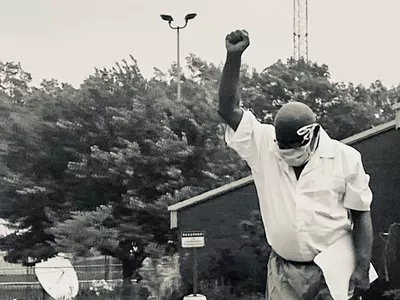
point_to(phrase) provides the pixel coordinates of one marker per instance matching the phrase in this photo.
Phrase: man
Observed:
(312, 190)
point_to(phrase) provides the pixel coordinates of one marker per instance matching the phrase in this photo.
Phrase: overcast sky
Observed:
(66, 39)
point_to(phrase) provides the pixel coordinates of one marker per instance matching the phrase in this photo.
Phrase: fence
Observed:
(159, 276)
(21, 282)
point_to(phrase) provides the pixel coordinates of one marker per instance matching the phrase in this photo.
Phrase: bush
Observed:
(223, 292)
(392, 294)
(161, 276)
(240, 269)
(102, 290)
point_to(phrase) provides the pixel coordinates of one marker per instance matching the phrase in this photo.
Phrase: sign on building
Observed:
(193, 239)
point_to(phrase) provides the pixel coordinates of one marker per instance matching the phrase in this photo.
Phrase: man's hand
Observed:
(237, 41)
(359, 281)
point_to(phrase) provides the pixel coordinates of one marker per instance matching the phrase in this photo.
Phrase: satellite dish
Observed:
(58, 278)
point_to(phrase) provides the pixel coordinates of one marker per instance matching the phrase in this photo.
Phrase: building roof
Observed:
(211, 194)
(249, 179)
(369, 133)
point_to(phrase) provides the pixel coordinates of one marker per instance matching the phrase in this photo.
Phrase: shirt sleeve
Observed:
(358, 195)
(250, 139)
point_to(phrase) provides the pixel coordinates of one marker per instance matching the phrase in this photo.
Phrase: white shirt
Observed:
(302, 217)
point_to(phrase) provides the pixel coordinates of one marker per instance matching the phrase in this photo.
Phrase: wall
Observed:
(381, 159)
(220, 218)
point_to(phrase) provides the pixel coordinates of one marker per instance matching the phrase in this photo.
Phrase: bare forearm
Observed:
(363, 237)
(236, 43)
(229, 86)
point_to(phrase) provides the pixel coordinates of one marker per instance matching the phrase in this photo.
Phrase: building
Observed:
(219, 211)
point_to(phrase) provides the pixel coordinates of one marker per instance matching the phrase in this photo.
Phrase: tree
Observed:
(130, 163)
(342, 109)
(34, 187)
(96, 232)
(280, 83)
(14, 81)
(156, 152)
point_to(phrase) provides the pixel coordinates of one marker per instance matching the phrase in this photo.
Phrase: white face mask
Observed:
(299, 156)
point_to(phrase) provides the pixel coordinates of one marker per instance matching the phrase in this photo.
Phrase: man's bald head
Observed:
(291, 117)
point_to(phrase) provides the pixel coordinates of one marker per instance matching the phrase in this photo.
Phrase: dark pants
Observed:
(288, 280)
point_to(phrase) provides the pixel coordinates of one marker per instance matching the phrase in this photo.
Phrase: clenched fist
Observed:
(237, 41)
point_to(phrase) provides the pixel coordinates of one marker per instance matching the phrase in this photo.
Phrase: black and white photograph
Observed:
(199, 150)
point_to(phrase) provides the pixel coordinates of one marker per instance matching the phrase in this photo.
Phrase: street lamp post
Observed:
(169, 19)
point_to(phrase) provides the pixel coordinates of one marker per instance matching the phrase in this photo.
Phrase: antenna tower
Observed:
(300, 29)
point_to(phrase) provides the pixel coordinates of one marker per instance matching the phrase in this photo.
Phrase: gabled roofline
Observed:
(366, 134)
(211, 194)
(249, 179)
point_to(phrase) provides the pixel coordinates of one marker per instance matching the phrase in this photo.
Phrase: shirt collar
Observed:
(326, 145)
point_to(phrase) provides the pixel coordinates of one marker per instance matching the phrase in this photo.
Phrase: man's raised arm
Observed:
(235, 42)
